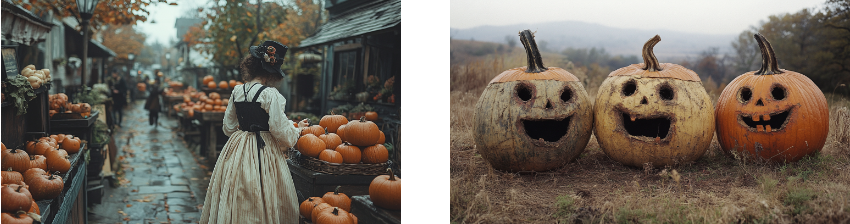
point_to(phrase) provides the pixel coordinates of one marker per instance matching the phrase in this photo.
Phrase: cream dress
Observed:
(235, 194)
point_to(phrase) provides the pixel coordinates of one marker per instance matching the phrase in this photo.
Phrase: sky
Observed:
(165, 15)
(708, 17)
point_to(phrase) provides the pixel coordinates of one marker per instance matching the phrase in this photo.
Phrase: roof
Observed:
(367, 18)
(21, 25)
(74, 37)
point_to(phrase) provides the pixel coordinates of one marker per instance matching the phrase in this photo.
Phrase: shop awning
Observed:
(22, 26)
(358, 21)
(73, 38)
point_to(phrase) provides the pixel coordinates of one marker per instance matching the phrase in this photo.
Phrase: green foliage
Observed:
(566, 207)
(20, 91)
(362, 107)
(95, 95)
(797, 197)
(101, 132)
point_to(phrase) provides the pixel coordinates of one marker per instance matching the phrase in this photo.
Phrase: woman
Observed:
(153, 104)
(251, 182)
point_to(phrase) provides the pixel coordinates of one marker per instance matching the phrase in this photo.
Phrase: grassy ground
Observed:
(595, 189)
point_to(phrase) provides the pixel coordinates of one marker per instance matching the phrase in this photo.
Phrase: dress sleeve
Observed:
(231, 122)
(280, 126)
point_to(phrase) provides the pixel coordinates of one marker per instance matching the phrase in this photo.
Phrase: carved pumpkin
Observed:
(331, 140)
(532, 118)
(332, 122)
(375, 154)
(335, 215)
(12, 177)
(773, 114)
(350, 153)
(38, 161)
(656, 113)
(361, 132)
(330, 156)
(310, 145)
(58, 161)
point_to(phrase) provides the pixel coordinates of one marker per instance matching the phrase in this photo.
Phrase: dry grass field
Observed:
(717, 188)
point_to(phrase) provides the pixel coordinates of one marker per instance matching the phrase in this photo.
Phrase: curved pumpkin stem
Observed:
(362, 118)
(650, 63)
(336, 191)
(392, 175)
(769, 65)
(336, 211)
(535, 62)
(19, 188)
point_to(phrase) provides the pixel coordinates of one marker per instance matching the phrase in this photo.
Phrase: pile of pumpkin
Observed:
(141, 86)
(211, 103)
(36, 78)
(210, 82)
(335, 207)
(59, 103)
(337, 140)
(33, 174)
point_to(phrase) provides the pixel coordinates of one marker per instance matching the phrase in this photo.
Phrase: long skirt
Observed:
(240, 193)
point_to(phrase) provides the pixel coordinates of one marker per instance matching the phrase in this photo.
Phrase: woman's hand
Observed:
(304, 123)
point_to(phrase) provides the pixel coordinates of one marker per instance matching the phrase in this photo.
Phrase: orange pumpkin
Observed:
(314, 215)
(332, 122)
(207, 79)
(306, 207)
(330, 156)
(232, 83)
(331, 140)
(16, 159)
(191, 112)
(223, 85)
(314, 129)
(208, 107)
(337, 199)
(375, 154)
(310, 145)
(371, 115)
(211, 84)
(773, 114)
(224, 102)
(71, 145)
(57, 160)
(382, 139)
(385, 191)
(215, 96)
(350, 153)
(12, 177)
(335, 215)
(361, 132)
(38, 161)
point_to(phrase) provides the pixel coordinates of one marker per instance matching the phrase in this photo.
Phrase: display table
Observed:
(70, 206)
(212, 136)
(169, 103)
(367, 212)
(78, 127)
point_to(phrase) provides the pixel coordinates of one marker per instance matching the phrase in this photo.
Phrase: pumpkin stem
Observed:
(769, 66)
(336, 191)
(535, 62)
(19, 188)
(650, 63)
(392, 175)
(362, 118)
(336, 211)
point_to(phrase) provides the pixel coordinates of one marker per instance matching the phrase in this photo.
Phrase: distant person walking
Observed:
(119, 98)
(152, 104)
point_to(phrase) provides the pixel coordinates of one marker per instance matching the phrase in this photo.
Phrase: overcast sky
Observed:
(710, 17)
(165, 15)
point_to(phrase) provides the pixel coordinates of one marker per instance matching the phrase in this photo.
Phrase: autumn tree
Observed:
(107, 12)
(122, 39)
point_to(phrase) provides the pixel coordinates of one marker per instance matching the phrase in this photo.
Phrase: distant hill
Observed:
(617, 41)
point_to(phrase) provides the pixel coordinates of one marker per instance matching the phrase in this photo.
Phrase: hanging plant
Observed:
(20, 91)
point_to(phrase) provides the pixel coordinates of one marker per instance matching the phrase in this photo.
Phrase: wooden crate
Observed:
(309, 183)
(367, 212)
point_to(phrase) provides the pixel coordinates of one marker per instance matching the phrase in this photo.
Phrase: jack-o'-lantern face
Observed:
(773, 114)
(658, 114)
(532, 118)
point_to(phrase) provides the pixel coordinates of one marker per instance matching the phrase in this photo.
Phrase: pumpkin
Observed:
(772, 114)
(332, 122)
(18, 217)
(224, 102)
(38, 161)
(15, 197)
(85, 108)
(532, 118)
(71, 145)
(337, 199)
(33, 173)
(350, 153)
(239, 83)
(34, 208)
(375, 154)
(211, 84)
(335, 215)
(75, 108)
(191, 112)
(3, 146)
(58, 161)
(46, 186)
(314, 129)
(306, 207)
(361, 132)
(656, 113)
(310, 145)
(16, 159)
(208, 107)
(232, 83)
(12, 177)
(371, 115)
(217, 102)
(223, 85)
(314, 215)
(341, 132)
(331, 140)
(385, 191)
(209, 101)
(208, 79)
(330, 156)
(381, 138)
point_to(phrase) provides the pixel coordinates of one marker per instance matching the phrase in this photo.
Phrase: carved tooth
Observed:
(632, 116)
(767, 127)
(760, 128)
(756, 117)
(657, 139)
(766, 117)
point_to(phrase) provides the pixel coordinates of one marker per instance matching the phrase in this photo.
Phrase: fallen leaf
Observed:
(129, 205)
(193, 178)
(134, 190)
(176, 210)
(126, 218)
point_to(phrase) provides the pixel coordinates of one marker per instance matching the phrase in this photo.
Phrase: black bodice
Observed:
(252, 117)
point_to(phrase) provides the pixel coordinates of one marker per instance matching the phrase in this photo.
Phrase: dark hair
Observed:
(252, 68)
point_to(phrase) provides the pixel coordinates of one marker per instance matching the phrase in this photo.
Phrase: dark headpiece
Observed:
(271, 54)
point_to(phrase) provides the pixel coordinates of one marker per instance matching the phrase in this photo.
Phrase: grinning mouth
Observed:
(550, 130)
(765, 123)
(656, 128)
